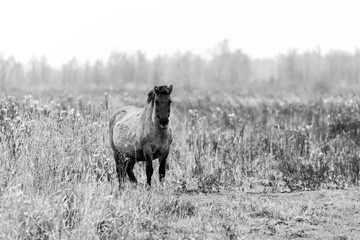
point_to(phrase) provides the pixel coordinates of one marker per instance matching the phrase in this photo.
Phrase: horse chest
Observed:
(159, 144)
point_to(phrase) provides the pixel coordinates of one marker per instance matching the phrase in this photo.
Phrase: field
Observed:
(240, 168)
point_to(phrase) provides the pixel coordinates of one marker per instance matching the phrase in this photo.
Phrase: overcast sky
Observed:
(89, 29)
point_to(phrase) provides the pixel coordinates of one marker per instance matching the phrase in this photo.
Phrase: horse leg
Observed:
(162, 167)
(120, 167)
(129, 170)
(148, 154)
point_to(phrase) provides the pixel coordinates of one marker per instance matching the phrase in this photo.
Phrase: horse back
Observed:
(123, 128)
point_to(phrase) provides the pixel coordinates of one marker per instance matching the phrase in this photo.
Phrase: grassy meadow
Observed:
(241, 167)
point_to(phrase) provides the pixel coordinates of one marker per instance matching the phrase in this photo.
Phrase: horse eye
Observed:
(170, 101)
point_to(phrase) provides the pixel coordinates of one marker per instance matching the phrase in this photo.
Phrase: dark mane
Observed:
(151, 96)
(162, 90)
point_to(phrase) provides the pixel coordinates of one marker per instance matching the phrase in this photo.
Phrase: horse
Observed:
(142, 134)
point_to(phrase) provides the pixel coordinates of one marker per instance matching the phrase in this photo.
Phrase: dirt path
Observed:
(327, 214)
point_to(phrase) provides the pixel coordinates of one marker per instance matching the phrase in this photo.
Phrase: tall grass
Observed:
(57, 177)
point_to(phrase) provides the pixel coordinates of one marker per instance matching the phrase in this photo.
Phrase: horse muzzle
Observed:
(163, 123)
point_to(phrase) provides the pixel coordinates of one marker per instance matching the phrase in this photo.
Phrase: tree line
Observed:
(225, 67)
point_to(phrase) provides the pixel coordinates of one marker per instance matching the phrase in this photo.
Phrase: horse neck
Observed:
(149, 114)
(151, 121)
(148, 117)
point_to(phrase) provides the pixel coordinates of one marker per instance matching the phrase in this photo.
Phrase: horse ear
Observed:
(156, 90)
(170, 89)
(151, 96)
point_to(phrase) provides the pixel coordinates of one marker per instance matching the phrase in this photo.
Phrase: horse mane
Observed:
(151, 96)
(162, 90)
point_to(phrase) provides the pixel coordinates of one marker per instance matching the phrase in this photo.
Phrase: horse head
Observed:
(161, 99)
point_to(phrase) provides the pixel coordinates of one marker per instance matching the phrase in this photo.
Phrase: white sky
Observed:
(89, 30)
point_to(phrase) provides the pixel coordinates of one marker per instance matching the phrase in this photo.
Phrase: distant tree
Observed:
(340, 68)
(13, 71)
(114, 67)
(98, 75)
(157, 70)
(3, 75)
(141, 68)
(288, 67)
(71, 71)
(229, 67)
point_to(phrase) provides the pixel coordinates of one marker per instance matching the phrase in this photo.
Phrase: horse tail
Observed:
(111, 131)
(112, 123)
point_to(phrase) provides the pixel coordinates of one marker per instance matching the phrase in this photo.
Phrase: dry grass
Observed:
(233, 163)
